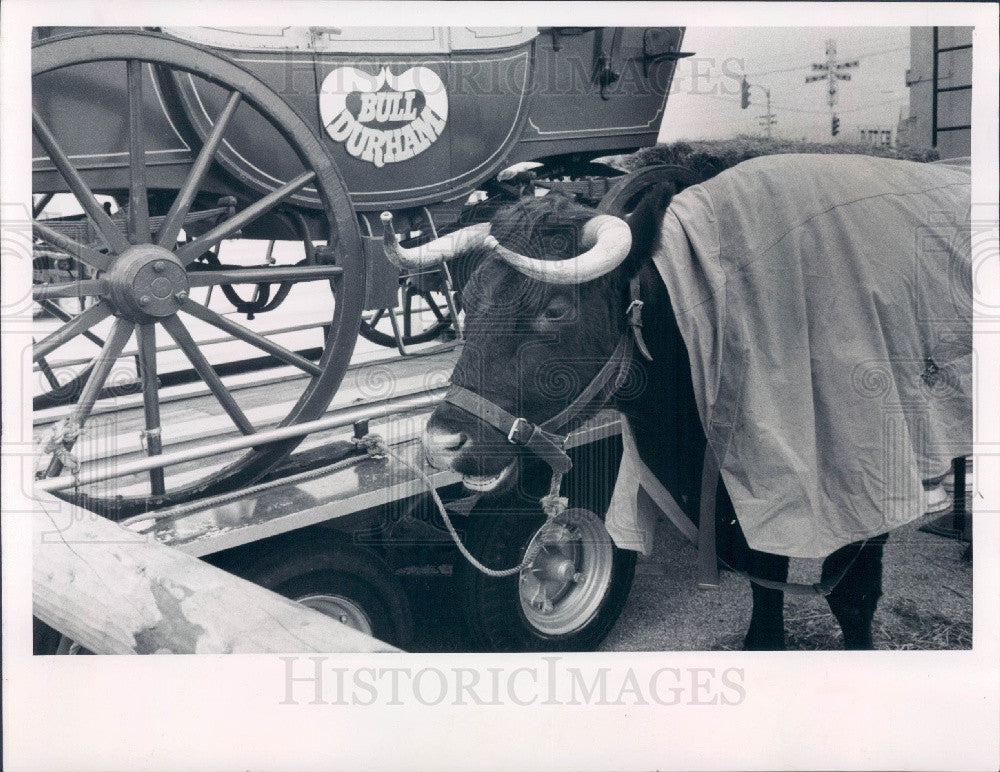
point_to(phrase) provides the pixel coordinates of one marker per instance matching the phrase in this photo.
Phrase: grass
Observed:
(709, 157)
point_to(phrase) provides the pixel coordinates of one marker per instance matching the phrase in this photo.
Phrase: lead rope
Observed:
(552, 503)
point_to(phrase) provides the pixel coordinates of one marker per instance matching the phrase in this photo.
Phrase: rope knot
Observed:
(553, 506)
(372, 444)
(62, 437)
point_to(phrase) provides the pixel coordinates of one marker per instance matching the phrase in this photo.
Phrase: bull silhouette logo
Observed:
(383, 118)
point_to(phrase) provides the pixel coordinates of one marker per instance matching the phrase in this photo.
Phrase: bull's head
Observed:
(545, 308)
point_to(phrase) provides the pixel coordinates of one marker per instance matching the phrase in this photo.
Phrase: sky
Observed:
(705, 101)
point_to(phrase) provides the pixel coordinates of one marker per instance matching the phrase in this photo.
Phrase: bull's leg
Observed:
(767, 622)
(855, 597)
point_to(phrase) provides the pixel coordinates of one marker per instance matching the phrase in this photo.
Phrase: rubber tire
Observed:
(338, 568)
(46, 640)
(491, 608)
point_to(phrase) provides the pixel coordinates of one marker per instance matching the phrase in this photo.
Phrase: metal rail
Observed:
(338, 420)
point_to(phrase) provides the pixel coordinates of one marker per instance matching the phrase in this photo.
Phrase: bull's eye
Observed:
(557, 309)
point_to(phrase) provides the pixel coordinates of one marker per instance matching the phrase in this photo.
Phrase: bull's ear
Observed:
(645, 222)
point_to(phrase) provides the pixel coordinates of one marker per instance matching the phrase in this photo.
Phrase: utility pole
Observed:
(832, 72)
(768, 120)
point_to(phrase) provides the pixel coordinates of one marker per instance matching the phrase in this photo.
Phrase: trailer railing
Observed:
(337, 420)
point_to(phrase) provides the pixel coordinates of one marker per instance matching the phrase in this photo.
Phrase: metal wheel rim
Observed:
(64, 51)
(564, 583)
(344, 610)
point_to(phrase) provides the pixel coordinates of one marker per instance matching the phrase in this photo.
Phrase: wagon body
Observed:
(248, 136)
(411, 116)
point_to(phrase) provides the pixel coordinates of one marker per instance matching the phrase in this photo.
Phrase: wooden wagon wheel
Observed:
(411, 333)
(424, 287)
(144, 275)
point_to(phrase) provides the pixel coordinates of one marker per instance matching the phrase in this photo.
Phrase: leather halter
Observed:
(546, 440)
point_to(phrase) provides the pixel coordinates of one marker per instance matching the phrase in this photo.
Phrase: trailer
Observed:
(212, 195)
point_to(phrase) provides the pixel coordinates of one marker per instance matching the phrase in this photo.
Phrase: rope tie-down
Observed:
(63, 436)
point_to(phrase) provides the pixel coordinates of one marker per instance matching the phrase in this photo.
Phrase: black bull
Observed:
(531, 346)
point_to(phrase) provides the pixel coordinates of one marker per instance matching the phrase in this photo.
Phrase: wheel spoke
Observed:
(407, 313)
(226, 229)
(432, 305)
(146, 336)
(249, 336)
(102, 364)
(85, 254)
(183, 339)
(68, 289)
(70, 330)
(138, 204)
(171, 227)
(43, 202)
(58, 313)
(47, 372)
(81, 190)
(291, 273)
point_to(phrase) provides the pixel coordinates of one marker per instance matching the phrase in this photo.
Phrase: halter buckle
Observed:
(520, 431)
(634, 312)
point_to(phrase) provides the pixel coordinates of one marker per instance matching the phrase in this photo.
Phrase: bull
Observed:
(558, 282)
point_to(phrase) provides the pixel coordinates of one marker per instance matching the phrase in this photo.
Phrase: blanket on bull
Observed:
(825, 302)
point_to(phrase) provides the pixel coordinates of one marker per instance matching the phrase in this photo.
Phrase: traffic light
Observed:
(834, 126)
(744, 94)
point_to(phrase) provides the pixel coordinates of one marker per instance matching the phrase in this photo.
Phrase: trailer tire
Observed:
(352, 584)
(493, 610)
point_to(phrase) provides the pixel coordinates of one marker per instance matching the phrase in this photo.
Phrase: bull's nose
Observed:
(441, 447)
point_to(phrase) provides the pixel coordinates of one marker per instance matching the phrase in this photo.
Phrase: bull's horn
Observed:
(433, 253)
(608, 237)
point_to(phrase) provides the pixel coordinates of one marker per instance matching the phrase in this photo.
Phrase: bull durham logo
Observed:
(384, 118)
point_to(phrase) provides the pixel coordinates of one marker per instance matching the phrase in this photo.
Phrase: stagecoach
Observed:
(206, 251)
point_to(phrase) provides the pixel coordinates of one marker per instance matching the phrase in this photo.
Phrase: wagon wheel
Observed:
(402, 320)
(413, 332)
(144, 274)
(625, 194)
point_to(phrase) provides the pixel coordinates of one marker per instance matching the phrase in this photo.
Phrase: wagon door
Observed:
(415, 115)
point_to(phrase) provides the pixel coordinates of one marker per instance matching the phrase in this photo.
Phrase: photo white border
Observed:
(803, 710)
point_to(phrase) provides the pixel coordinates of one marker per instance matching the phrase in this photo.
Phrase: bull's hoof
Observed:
(763, 643)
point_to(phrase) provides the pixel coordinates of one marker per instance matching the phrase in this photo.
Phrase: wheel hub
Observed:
(147, 282)
(344, 610)
(567, 574)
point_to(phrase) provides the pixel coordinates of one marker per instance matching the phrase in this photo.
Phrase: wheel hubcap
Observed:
(146, 282)
(568, 573)
(344, 610)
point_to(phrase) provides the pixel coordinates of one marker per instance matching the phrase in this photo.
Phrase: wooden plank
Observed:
(116, 592)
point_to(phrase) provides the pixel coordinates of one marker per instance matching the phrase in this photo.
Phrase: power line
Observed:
(851, 110)
(798, 109)
(867, 55)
